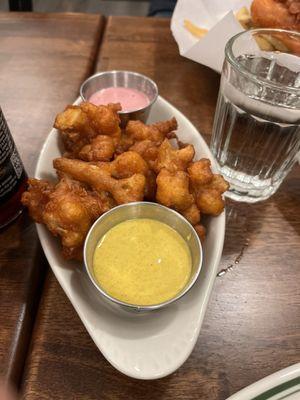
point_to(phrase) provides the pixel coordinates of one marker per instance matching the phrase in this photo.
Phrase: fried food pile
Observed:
(280, 14)
(103, 166)
(283, 14)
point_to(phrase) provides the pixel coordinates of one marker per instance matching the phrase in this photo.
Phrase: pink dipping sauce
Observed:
(130, 99)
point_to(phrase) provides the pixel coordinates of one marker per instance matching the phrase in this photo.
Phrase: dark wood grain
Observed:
(148, 47)
(43, 60)
(252, 325)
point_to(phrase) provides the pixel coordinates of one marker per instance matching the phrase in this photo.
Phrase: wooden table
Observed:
(43, 60)
(252, 324)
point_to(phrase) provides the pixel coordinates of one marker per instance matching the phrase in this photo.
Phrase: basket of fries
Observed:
(202, 29)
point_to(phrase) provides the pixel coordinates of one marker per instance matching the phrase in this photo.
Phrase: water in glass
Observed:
(256, 133)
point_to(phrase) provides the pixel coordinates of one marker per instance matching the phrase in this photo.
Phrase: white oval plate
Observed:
(282, 385)
(141, 346)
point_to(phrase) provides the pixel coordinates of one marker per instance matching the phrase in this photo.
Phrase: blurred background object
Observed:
(20, 5)
(160, 8)
(7, 392)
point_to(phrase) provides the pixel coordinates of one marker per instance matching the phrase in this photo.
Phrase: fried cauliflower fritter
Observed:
(101, 148)
(103, 119)
(68, 210)
(200, 172)
(146, 149)
(123, 191)
(207, 187)
(166, 127)
(89, 119)
(138, 131)
(73, 119)
(201, 232)
(173, 190)
(192, 214)
(209, 196)
(126, 165)
(145, 139)
(173, 159)
(36, 197)
(79, 125)
(73, 142)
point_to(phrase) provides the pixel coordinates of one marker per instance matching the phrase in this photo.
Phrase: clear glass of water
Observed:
(256, 132)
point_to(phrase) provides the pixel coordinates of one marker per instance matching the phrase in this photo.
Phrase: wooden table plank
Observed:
(252, 324)
(148, 47)
(43, 60)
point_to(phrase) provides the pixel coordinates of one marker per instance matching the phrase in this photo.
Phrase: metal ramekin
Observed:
(142, 210)
(127, 79)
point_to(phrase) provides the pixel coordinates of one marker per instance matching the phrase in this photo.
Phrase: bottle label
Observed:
(11, 168)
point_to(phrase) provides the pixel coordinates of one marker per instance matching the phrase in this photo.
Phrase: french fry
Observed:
(244, 18)
(270, 43)
(277, 43)
(194, 29)
(263, 43)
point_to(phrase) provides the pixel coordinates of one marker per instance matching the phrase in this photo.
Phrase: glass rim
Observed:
(230, 57)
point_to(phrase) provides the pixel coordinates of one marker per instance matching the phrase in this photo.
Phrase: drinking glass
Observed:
(256, 131)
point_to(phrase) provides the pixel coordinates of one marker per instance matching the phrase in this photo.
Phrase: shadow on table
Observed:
(287, 200)
(243, 223)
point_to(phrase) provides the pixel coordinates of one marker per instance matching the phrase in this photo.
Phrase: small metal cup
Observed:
(128, 79)
(142, 210)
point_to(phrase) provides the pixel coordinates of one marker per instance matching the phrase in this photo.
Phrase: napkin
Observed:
(215, 15)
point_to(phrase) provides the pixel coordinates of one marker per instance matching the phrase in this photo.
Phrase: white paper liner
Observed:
(215, 15)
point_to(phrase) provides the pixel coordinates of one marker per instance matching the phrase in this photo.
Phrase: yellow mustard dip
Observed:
(142, 261)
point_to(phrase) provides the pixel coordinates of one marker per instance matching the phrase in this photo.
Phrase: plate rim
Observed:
(267, 383)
